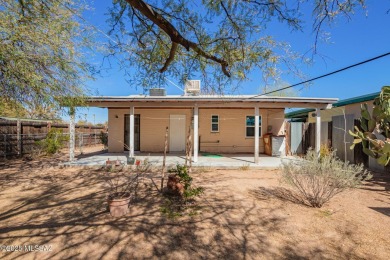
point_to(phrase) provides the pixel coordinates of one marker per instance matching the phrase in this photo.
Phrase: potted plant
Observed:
(180, 183)
(130, 160)
(120, 182)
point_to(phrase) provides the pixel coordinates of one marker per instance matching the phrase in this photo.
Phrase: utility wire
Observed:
(323, 76)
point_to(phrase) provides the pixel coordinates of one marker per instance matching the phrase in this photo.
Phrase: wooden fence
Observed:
(18, 137)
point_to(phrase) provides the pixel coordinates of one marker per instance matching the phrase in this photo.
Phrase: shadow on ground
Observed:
(66, 208)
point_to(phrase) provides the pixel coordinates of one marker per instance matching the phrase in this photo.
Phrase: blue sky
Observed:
(352, 41)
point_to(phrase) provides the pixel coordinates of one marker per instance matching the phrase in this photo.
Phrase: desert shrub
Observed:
(317, 180)
(325, 150)
(103, 138)
(54, 141)
(181, 172)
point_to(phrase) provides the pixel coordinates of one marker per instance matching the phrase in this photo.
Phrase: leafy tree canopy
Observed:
(219, 41)
(41, 52)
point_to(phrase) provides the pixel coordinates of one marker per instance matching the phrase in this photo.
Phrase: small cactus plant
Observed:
(374, 133)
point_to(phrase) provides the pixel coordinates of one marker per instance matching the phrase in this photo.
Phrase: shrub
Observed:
(182, 173)
(325, 150)
(317, 180)
(103, 138)
(53, 142)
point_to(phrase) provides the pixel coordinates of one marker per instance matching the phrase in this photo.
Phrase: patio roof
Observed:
(209, 100)
(302, 113)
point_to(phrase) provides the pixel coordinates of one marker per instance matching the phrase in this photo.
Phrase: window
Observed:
(250, 126)
(214, 123)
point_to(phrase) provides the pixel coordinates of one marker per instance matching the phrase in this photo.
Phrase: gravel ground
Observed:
(242, 215)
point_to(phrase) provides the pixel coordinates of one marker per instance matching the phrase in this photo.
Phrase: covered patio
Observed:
(225, 161)
(231, 126)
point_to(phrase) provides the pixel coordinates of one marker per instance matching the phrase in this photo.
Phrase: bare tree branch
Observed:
(170, 58)
(175, 35)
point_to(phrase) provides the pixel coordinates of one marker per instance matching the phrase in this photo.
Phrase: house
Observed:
(217, 124)
(335, 124)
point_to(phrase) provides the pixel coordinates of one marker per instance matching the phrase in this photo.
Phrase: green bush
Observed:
(53, 142)
(317, 180)
(182, 172)
(103, 138)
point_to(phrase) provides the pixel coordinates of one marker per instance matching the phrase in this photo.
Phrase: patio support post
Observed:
(131, 137)
(256, 134)
(318, 131)
(71, 134)
(196, 135)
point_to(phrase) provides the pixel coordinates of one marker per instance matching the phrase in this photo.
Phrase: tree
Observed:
(273, 89)
(374, 134)
(219, 41)
(41, 52)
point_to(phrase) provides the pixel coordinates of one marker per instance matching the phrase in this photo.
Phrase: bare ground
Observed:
(243, 215)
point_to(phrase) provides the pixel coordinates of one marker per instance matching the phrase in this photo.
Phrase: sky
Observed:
(364, 36)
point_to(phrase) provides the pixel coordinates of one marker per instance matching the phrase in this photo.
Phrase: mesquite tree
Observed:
(218, 41)
(374, 133)
(42, 53)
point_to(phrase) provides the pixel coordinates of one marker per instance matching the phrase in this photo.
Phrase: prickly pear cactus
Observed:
(375, 129)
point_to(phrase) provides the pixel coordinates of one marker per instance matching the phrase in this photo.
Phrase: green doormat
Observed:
(211, 155)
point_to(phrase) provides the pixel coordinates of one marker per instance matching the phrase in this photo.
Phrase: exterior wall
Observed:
(327, 114)
(153, 126)
(355, 110)
(116, 129)
(230, 138)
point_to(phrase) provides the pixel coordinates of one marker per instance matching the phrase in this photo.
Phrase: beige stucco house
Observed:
(217, 124)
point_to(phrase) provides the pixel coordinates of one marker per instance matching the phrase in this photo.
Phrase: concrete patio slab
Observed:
(214, 161)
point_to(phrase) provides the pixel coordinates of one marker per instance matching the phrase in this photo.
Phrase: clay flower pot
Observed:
(118, 203)
(174, 185)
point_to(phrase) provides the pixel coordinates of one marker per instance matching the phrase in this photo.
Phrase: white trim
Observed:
(196, 134)
(257, 125)
(222, 98)
(211, 130)
(131, 132)
(260, 125)
(318, 131)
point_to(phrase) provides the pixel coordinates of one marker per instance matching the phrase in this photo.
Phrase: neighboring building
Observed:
(335, 124)
(219, 124)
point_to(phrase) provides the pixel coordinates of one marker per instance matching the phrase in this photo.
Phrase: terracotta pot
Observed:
(118, 203)
(174, 185)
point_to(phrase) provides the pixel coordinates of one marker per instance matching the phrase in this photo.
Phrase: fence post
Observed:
(89, 137)
(71, 135)
(81, 142)
(5, 146)
(19, 136)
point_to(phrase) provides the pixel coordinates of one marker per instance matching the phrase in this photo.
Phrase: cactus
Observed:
(374, 133)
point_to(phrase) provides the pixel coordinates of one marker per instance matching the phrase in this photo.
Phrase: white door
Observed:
(177, 133)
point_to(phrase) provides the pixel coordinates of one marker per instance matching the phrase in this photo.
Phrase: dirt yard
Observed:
(241, 216)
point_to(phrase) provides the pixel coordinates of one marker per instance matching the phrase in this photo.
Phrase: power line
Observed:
(325, 75)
